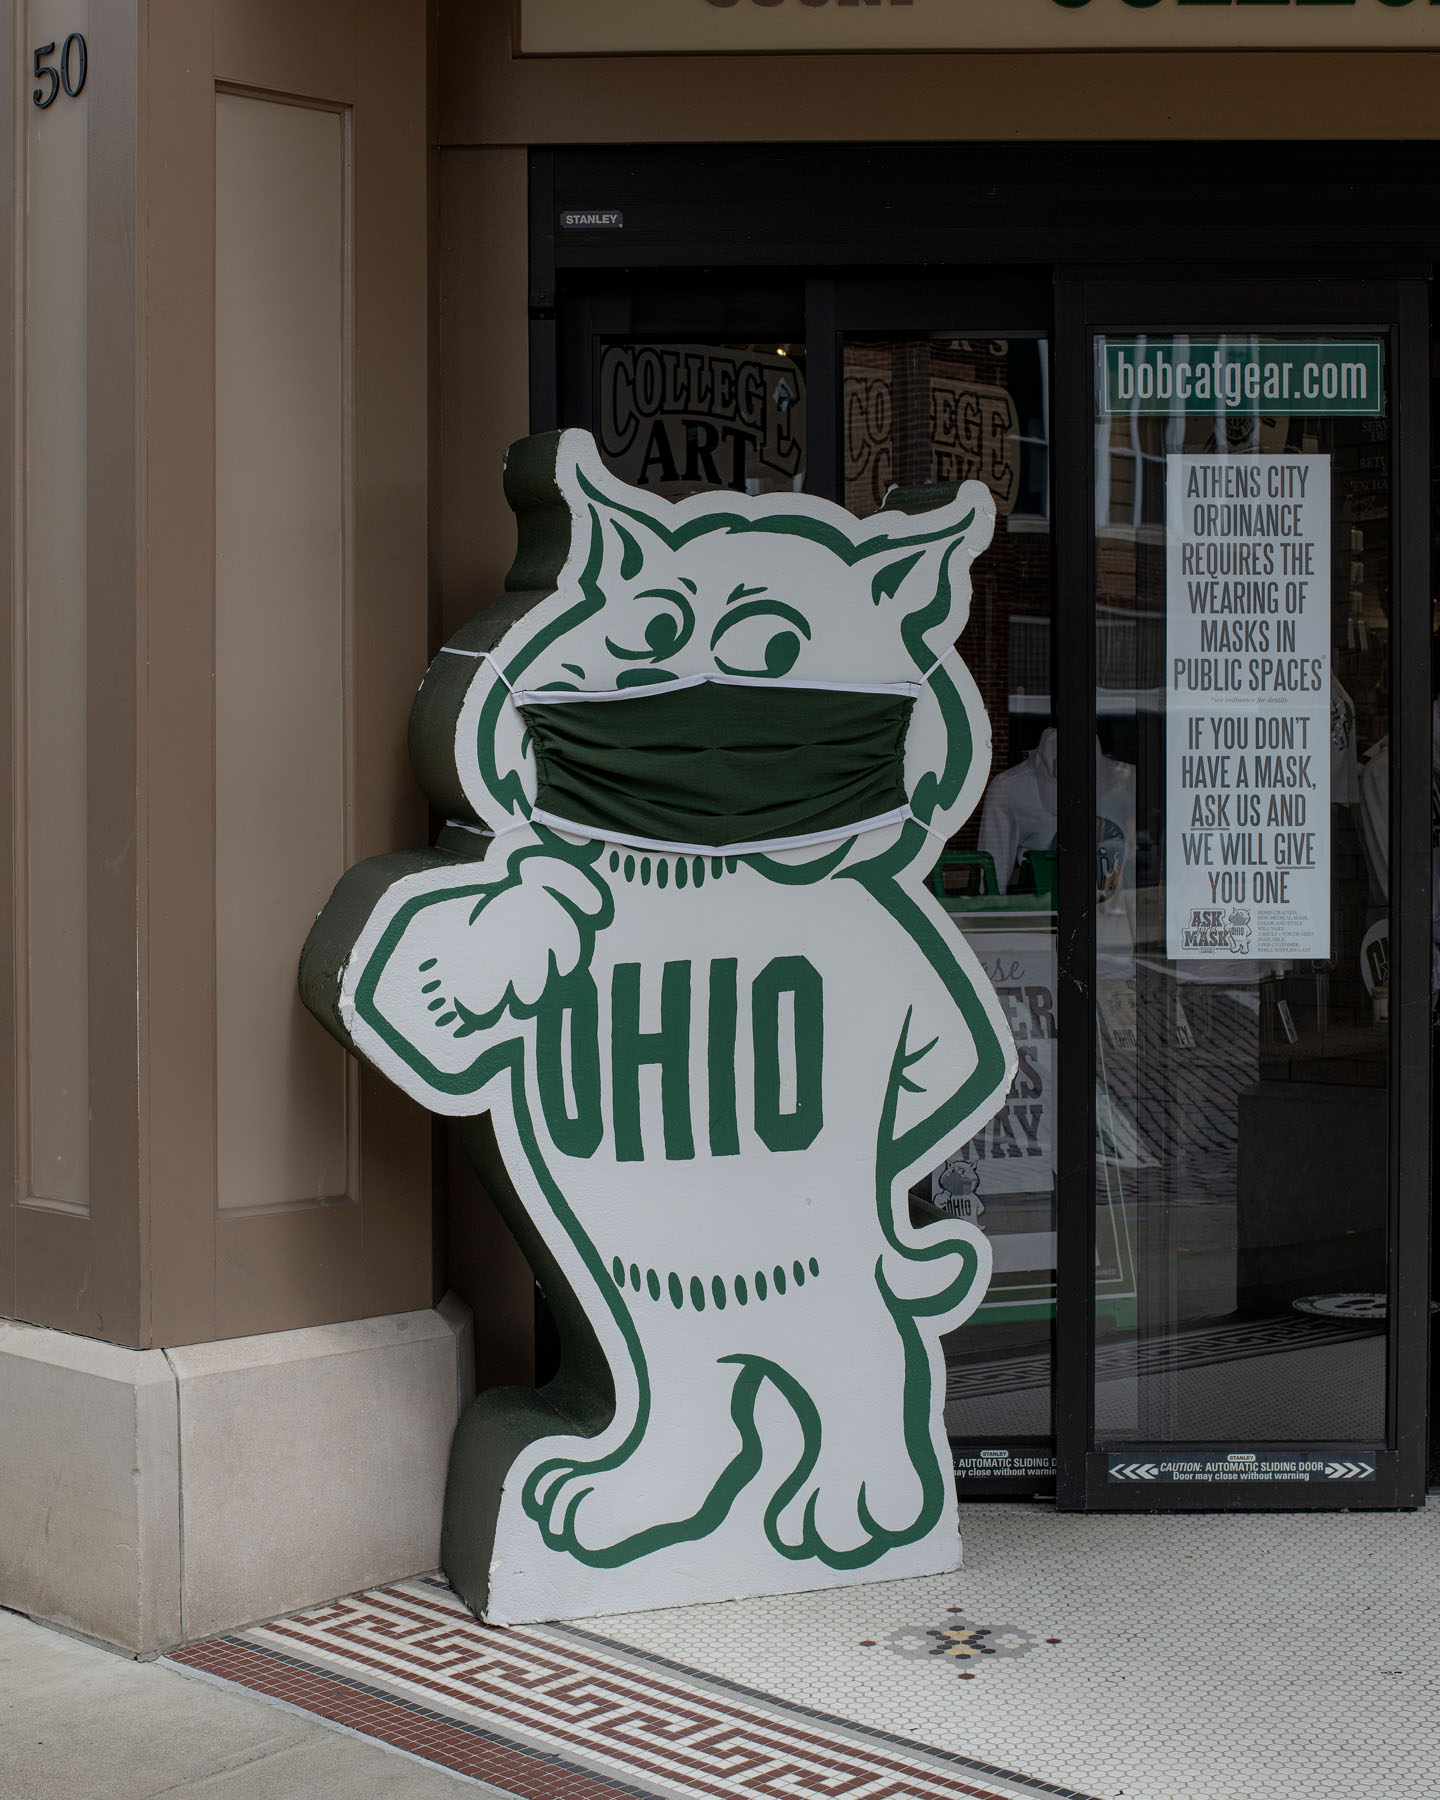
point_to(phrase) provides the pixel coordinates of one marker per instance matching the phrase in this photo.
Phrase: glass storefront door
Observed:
(1207, 1191)
(1260, 655)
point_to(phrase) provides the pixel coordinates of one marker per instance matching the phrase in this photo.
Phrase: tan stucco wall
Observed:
(488, 97)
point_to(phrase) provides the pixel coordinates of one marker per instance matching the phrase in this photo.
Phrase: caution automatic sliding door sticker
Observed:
(674, 966)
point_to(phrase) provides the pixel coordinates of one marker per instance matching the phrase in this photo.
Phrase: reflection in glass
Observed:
(689, 418)
(918, 415)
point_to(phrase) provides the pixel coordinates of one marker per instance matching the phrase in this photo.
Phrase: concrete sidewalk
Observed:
(79, 1723)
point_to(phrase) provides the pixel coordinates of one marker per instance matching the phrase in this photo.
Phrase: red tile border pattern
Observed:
(547, 1718)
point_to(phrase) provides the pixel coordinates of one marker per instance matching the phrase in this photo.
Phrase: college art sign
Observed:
(649, 27)
(674, 417)
(675, 967)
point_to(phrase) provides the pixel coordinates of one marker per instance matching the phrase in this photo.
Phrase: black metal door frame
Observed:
(1091, 303)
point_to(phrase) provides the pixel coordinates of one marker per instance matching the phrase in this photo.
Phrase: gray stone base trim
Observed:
(150, 1498)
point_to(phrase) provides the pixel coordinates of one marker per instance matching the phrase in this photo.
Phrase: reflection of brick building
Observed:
(920, 411)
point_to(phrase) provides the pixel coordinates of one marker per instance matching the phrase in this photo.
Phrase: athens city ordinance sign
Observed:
(649, 27)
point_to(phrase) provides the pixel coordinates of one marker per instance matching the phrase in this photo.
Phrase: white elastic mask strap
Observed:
(480, 656)
(528, 697)
(939, 836)
(931, 670)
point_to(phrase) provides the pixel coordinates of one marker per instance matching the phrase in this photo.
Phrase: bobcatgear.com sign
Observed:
(1210, 376)
(649, 27)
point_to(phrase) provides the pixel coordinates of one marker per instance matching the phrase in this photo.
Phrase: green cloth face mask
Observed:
(717, 766)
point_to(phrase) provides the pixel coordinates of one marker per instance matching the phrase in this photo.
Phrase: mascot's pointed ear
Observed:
(624, 559)
(622, 528)
(566, 502)
(583, 539)
(922, 561)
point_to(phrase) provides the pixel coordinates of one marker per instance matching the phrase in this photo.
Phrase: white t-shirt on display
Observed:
(1020, 814)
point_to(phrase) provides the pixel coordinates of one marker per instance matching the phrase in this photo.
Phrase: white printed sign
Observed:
(1247, 706)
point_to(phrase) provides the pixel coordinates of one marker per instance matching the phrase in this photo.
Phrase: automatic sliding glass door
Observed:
(1254, 1184)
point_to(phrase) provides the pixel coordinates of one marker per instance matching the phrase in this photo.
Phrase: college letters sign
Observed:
(677, 416)
(648, 27)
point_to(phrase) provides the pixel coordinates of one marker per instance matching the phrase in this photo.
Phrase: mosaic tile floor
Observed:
(1208, 1657)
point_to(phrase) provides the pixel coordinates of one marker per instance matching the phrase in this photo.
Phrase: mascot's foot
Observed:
(863, 1496)
(612, 1514)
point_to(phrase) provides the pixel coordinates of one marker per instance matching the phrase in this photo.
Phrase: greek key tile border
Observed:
(466, 1749)
(1023, 1786)
(560, 1713)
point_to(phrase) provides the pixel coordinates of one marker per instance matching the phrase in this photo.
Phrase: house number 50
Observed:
(70, 75)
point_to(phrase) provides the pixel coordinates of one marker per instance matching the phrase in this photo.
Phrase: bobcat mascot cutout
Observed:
(705, 1025)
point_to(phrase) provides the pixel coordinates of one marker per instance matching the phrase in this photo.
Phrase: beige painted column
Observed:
(219, 570)
(288, 1190)
(71, 1252)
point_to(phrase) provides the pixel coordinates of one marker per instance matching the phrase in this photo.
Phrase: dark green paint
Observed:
(631, 1049)
(577, 998)
(720, 1057)
(797, 1129)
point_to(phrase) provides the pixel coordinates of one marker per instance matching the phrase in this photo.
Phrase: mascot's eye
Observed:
(753, 645)
(668, 629)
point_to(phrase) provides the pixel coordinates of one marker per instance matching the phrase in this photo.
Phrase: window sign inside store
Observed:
(681, 418)
(648, 27)
(1217, 376)
(1248, 724)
